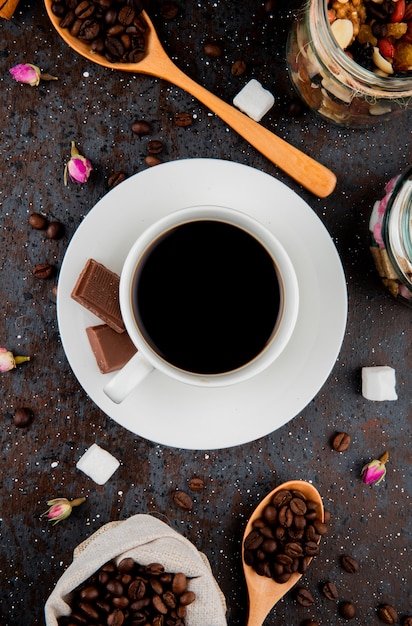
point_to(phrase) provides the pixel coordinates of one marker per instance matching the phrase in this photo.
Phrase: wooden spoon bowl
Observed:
(309, 173)
(265, 592)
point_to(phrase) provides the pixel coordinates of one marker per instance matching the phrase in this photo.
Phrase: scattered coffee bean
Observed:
(341, 442)
(304, 597)
(183, 120)
(282, 541)
(182, 500)
(155, 146)
(152, 160)
(169, 10)
(55, 230)
(115, 179)
(130, 594)
(213, 49)
(38, 221)
(22, 417)
(196, 484)
(349, 564)
(347, 609)
(43, 270)
(310, 622)
(329, 590)
(238, 68)
(141, 127)
(387, 614)
(407, 621)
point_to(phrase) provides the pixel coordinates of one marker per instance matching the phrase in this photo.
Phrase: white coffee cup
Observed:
(148, 357)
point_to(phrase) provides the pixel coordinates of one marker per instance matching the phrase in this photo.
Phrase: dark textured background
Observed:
(97, 106)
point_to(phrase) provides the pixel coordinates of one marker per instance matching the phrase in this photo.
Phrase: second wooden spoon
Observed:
(309, 173)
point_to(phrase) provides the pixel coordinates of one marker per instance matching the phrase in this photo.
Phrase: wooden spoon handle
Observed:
(309, 173)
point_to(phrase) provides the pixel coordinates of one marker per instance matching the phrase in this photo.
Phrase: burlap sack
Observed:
(147, 540)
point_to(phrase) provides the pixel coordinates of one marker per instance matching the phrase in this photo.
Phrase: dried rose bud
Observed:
(78, 168)
(29, 74)
(60, 508)
(375, 471)
(8, 361)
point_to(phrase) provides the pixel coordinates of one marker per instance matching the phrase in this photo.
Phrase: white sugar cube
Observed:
(98, 464)
(254, 100)
(378, 383)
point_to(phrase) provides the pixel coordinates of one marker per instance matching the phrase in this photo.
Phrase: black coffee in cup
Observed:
(206, 296)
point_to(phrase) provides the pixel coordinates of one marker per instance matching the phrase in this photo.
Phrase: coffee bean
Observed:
(407, 621)
(84, 9)
(154, 569)
(182, 120)
(281, 497)
(270, 513)
(349, 564)
(38, 221)
(213, 49)
(151, 160)
(304, 597)
(238, 68)
(253, 540)
(141, 127)
(126, 565)
(115, 179)
(43, 270)
(310, 622)
(329, 590)
(179, 583)
(347, 609)
(298, 506)
(187, 597)
(341, 442)
(196, 484)
(116, 618)
(22, 417)
(169, 10)
(155, 146)
(387, 614)
(55, 230)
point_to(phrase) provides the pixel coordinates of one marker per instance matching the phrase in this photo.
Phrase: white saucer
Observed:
(183, 416)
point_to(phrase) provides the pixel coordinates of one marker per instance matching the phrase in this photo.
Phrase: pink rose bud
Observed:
(375, 471)
(29, 74)
(60, 508)
(78, 168)
(8, 361)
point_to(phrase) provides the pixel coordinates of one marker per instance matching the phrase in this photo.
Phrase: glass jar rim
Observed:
(357, 77)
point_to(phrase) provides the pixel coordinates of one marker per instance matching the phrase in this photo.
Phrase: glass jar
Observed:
(331, 82)
(390, 226)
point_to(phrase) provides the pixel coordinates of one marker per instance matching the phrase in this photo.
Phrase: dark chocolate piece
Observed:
(112, 350)
(97, 289)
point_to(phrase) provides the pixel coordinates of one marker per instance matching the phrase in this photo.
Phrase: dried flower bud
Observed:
(375, 471)
(29, 74)
(60, 508)
(78, 168)
(8, 361)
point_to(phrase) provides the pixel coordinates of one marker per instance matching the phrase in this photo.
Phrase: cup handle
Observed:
(123, 383)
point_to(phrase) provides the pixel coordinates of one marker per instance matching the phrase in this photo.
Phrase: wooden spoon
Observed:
(264, 592)
(308, 172)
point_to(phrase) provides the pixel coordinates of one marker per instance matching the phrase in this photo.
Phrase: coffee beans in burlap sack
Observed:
(146, 539)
